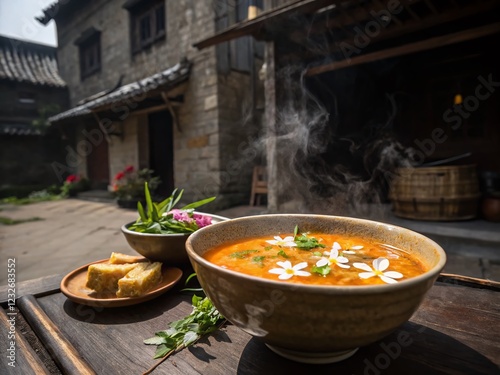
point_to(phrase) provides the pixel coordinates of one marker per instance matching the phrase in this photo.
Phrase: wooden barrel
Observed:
(442, 193)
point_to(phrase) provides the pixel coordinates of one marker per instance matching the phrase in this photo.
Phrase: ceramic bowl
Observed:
(167, 248)
(308, 323)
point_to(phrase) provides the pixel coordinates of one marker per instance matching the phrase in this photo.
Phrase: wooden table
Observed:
(455, 331)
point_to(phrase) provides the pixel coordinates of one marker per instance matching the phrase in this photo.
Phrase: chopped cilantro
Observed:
(323, 270)
(242, 254)
(283, 254)
(307, 243)
(317, 253)
(268, 248)
(259, 260)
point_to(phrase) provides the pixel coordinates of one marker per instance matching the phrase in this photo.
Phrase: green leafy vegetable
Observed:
(317, 253)
(159, 219)
(307, 243)
(242, 254)
(323, 270)
(268, 248)
(204, 319)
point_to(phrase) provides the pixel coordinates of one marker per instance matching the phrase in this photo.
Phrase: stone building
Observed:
(30, 89)
(142, 95)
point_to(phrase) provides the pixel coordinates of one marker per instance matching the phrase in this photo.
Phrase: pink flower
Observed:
(202, 220)
(180, 215)
(129, 169)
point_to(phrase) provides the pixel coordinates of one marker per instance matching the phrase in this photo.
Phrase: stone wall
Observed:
(210, 131)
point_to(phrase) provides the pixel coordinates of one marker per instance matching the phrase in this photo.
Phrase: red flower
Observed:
(72, 178)
(119, 175)
(129, 169)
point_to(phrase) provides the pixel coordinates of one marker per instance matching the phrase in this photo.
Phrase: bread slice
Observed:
(138, 281)
(103, 277)
(119, 258)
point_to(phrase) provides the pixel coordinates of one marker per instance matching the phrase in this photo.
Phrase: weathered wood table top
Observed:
(455, 331)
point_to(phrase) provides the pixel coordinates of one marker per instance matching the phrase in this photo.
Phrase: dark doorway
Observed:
(98, 160)
(161, 153)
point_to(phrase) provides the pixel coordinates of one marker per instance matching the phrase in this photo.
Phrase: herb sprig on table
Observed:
(162, 218)
(204, 319)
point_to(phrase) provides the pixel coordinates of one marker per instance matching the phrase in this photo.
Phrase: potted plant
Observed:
(161, 230)
(128, 185)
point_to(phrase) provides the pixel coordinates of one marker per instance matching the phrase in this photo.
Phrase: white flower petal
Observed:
(363, 266)
(348, 252)
(357, 247)
(336, 246)
(343, 265)
(277, 271)
(366, 275)
(381, 264)
(302, 273)
(285, 276)
(285, 264)
(272, 242)
(288, 239)
(393, 274)
(334, 253)
(289, 244)
(278, 238)
(322, 262)
(388, 280)
(300, 266)
(342, 260)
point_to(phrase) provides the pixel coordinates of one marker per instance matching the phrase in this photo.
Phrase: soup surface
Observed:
(316, 258)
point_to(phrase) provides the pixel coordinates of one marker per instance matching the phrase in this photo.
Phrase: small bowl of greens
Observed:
(161, 231)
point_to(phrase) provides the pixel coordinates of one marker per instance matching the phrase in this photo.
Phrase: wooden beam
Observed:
(148, 110)
(413, 26)
(104, 131)
(406, 49)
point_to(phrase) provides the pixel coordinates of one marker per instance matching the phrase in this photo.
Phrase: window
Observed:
(147, 19)
(89, 44)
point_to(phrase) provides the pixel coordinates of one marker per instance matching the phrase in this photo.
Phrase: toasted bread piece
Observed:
(119, 258)
(103, 277)
(138, 281)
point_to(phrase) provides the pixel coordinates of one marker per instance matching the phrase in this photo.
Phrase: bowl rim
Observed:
(343, 289)
(124, 227)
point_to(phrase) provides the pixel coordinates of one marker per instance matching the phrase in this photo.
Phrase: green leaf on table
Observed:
(189, 338)
(157, 340)
(162, 350)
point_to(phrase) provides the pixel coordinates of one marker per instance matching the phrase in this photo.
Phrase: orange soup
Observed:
(316, 258)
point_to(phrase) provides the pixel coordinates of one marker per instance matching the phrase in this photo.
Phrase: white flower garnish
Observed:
(286, 242)
(349, 251)
(333, 258)
(287, 271)
(379, 266)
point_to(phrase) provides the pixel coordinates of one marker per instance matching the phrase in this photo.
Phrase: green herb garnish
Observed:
(317, 253)
(303, 242)
(268, 248)
(204, 319)
(283, 254)
(323, 270)
(259, 260)
(242, 254)
(159, 219)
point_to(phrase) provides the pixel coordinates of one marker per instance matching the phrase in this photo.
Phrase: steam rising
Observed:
(319, 171)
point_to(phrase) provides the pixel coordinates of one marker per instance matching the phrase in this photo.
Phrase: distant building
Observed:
(142, 95)
(30, 89)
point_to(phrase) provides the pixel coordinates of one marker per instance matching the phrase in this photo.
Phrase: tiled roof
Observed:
(169, 77)
(18, 129)
(22, 61)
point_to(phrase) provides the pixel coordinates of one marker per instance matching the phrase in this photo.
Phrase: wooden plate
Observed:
(73, 287)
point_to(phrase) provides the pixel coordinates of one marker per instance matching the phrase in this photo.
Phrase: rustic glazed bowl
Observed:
(311, 323)
(167, 248)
